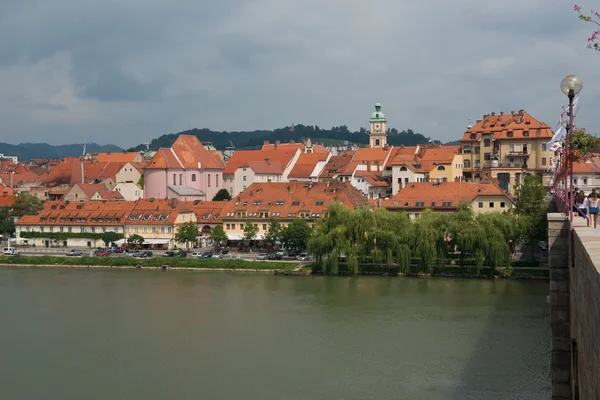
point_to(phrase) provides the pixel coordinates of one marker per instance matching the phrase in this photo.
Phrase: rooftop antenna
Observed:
(84, 148)
(147, 144)
(469, 126)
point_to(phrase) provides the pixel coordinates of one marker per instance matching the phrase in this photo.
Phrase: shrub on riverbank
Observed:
(145, 262)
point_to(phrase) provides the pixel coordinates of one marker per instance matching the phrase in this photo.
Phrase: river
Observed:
(130, 334)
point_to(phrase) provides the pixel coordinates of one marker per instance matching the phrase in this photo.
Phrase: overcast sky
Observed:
(117, 71)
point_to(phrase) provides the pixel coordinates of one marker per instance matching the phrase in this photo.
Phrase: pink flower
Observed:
(594, 12)
(577, 8)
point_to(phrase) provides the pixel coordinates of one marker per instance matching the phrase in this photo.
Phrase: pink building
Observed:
(186, 171)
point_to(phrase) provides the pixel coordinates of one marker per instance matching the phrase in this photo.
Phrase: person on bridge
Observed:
(593, 209)
(581, 203)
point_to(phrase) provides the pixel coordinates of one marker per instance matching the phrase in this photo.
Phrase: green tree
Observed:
(530, 204)
(296, 235)
(26, 204)
(250, 232)
(218, 234)
(222, 195)
(135, 240)
(274, 231)
(7, 224)
(187, 233)
(140, 182)
(111, 237)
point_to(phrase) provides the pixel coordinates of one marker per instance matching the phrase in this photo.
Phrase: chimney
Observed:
(268, 161)
(501, 112)
(266, 142)
(292, 141)
(493, 113)
(82, 173)
(173, 203)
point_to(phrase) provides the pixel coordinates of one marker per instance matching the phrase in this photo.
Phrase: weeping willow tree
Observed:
(363, 235)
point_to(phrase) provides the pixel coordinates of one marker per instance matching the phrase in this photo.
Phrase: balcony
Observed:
(518, 153)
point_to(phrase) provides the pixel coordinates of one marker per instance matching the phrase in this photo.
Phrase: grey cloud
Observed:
(118, 71)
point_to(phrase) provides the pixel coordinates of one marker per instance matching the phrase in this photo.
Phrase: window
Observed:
(480, 204)
(319, 203)
(509, 134)
(295, 203)
(243, 187)
(525, 133)
(403, 168)
(544, 147)
(473, 136)
(441, 168)
(232, 226)
(399, 181)
(525, 148)
(433, 204)
(180, 179)
(174, 179)
(486, 142)
(502, 204)
(69, 229)
(543, 160)
(244, 178)
(230, 189)
(217, 180)
(193, 177)
(264, 227)
(467, 149)
(154, 229)
(136, 230)
(467, 163)
(145, 229)
(406, 180)
(477, 149)
(476, 163)
(487, 156)
(491, 204)
(585, 181)
(241, 226)
(208, 180)
(169, 229)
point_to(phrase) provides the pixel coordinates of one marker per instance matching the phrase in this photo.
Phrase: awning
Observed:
(240, 236)
(156, 241)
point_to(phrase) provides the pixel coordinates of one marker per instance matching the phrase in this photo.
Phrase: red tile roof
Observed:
(434, 194)
(501, 124)
(242, 158)
(187, 152)
(585, 167)
(367, 155)
(122, 157)
(335, 165)
(289, 199)
(61, 213)
(306, 164)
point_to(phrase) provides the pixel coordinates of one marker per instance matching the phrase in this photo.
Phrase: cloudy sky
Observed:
(118, 71)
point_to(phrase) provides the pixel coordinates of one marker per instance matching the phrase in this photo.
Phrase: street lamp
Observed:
(571, 85)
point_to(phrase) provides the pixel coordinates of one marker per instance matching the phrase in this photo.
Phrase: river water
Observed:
(129, 334)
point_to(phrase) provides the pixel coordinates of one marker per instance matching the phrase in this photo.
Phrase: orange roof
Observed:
(7, 197)
(289, 199)
(442, 195)
(242, 158)
(499, 125)
(373, 178)
(123, 157)
(208, 212)
(368, 156)
(86, 213)
(306, 164)
(335, 165)
(585, 167)
(186, 153)
(423, 158)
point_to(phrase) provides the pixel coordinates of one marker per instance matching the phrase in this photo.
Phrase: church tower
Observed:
(378, 132)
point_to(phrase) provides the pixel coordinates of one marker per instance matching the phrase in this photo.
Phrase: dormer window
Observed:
(257, 203)
(525, 133)
(509, 134)
(320, 203)
(473, 136)
(295, 203)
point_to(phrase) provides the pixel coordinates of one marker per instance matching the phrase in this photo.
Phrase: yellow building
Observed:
(507, 147)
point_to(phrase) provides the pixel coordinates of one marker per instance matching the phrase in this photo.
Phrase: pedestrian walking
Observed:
(593, 209)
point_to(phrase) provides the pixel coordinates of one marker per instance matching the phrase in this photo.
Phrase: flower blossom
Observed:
(577, 8)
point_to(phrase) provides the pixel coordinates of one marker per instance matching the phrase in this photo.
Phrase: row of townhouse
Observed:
(78, 224)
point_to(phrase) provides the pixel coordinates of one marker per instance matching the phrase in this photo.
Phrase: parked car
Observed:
(74, 253)
(10, 251)
(102, 253)
(169, 254)
(543, 245)
(224, 251)
(197, 254)
(262, 256)
(274, 256)
(145, 254)
(207, 254)
(291, 253)
(281, 253)
(303, 257)
(180, 254)
(217, 255)
(136, 253)
(130, 252)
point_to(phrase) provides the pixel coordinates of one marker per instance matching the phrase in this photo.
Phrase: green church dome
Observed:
(378, 115)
